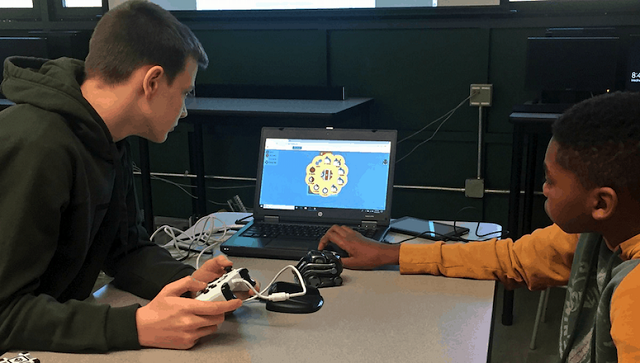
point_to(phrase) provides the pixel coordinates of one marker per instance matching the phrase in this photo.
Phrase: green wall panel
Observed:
(434, 204)
(415, 76)
(269, 57)
(507, 73)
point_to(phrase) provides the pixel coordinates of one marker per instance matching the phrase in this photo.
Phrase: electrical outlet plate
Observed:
(480, 95)
(474, 188)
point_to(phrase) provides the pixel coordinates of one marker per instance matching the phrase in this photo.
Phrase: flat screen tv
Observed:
(571, 64)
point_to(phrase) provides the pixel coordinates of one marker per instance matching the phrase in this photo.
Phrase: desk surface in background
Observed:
(375, 316)
(246, 106)
(221, 106)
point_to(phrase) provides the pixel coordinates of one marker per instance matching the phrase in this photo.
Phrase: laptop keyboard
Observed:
(302, 231)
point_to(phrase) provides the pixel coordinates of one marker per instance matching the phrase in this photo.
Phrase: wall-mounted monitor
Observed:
(580, 64)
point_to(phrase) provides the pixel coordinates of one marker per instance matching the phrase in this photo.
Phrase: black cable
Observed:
(435, 234)
(239, 221)
(503, 234)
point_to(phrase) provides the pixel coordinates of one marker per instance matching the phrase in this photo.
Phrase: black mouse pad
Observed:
(311, 302)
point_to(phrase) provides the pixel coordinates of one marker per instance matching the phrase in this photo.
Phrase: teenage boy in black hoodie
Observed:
(67, 203)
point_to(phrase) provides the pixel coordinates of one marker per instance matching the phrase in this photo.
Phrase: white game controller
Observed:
(22, 358)
(222, 288)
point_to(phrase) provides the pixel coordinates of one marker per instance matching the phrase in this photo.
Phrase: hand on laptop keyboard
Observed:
(363, 253)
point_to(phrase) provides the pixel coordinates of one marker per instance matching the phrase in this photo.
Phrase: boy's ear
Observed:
(151, 81)
(605, 203)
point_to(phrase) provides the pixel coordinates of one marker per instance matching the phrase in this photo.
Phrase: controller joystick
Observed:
(320, 269)
(222, 288)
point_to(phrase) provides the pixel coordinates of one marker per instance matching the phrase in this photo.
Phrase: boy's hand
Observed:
(170, 321)
(212, 269)
(364, 253)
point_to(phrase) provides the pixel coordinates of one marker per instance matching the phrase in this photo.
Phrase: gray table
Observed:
(375, 316)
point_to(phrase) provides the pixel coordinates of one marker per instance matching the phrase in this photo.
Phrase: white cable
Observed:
(429, 139)
(169, 230)
(201, 233)
(441, 117)
(216, 241)
(213, 245)
(281, 296)
(192, 235)
(183, 186)
(446, 117)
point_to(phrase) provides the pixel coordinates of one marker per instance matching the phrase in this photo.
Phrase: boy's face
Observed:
(567, 199)
(170, 106)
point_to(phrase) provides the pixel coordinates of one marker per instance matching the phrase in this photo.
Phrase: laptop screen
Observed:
(314, 174)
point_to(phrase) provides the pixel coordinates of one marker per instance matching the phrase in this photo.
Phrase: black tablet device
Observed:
(426, 229)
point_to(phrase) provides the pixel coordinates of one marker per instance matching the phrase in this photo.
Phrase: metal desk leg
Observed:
(514, 210)
(366, 115)
(197, 167)
(530, 167)
(145, 171)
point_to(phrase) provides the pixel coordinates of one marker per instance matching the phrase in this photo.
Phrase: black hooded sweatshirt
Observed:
(67, 211)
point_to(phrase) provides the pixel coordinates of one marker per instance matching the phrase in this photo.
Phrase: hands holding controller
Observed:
(171, 321)
(223, 287)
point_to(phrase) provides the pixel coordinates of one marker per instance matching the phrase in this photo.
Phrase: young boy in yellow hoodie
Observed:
(592, 186)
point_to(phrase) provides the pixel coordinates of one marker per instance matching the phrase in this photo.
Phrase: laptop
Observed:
(313, 178)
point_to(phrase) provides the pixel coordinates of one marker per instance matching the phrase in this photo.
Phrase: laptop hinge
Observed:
(369, 224)
(271, 219)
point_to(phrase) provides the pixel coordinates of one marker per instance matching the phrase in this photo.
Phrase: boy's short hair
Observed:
(599, 141)
(138, 33)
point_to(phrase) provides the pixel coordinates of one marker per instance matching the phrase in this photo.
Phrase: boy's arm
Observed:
(625, 317)
(33, 194)
(538, 260)
(29, 322)
(138, 265)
